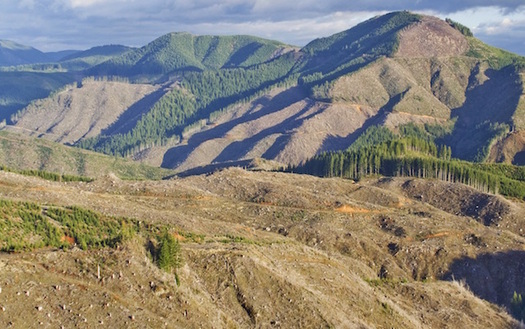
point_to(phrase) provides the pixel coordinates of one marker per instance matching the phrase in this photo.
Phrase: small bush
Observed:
(517, 306)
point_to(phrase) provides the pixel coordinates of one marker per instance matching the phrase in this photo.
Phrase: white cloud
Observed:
(84, 3)
(59, 24)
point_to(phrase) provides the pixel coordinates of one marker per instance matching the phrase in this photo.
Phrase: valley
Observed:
(370, 179)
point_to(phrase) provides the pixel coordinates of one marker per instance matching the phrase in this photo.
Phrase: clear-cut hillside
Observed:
(265, 250)
(82, 111)
(236, 98)
(431, 38)
(436, 75)
(286, 126)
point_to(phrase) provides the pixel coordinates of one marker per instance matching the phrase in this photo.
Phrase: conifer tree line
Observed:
(386, 154)
(198, 95)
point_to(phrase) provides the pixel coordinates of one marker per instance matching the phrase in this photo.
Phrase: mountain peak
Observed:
(11, 45)
(12, 53)
(431, 37)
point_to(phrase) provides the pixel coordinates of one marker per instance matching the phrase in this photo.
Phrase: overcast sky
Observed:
(51, 25)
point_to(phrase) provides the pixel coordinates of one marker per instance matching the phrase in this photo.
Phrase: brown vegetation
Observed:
(80, 112)
(431, 37)
(276, 251)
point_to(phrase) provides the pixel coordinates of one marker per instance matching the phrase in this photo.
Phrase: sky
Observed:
(53, 25)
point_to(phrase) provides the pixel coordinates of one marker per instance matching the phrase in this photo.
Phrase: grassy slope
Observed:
(24, 153)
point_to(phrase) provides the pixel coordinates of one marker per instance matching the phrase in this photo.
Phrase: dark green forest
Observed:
(196, 96)
(413, 152)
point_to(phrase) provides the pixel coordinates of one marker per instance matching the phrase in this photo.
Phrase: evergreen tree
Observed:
(168, 257)
(517, 306)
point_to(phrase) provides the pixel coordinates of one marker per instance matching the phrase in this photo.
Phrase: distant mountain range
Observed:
(188, 101)
(12, 53)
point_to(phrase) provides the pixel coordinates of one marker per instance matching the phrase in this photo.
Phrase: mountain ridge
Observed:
(182, 51)
(205, 244)
(13, 54)
(390, 70)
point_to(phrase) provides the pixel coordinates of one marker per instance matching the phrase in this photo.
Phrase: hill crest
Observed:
(431, 37)
(234, 98)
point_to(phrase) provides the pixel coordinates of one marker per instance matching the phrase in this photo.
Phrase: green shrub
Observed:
(168, 254)
(517, 306)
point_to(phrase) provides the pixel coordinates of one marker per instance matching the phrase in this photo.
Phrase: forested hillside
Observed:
(226, 99)
(179, 52)
(413, 153)
(196, 97)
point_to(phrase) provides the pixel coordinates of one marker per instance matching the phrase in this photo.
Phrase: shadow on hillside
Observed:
(211, 168)
(494, 101)
(335, 143)
(179, 154)
(239, 149)
(128, 120)
(519, 159)
(493, 276)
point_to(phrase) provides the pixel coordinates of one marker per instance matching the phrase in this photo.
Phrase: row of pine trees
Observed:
(408, 156)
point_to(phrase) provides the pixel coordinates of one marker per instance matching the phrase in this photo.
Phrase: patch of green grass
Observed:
(48, 175)
(23, 154)
(229, 238)
(497, 58)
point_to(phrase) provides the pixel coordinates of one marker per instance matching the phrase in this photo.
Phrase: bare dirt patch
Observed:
(431, 37)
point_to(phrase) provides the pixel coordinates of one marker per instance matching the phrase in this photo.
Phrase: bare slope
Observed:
(430, 79)
(80, 111)
(274, 250)
(390, 70)
(431, 38)
(285, 125)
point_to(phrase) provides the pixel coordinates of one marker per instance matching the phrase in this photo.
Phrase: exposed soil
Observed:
(279, 250)
(83, 112)
(431, 37)
(510, 149)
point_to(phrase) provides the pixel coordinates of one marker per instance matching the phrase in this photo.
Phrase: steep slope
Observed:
(263, 250)
(347, 51)
(237, 98)
(19, 89)
(391, 70)
(285, 126)
(187, 52)
(82, 111)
